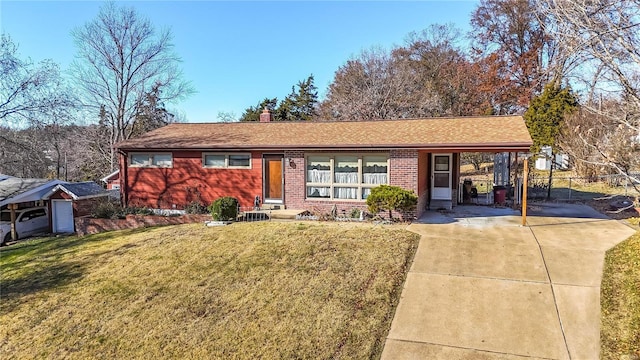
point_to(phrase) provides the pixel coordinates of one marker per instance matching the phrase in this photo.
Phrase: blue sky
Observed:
(237, 53)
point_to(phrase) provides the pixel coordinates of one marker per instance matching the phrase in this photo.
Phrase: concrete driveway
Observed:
(483, 287)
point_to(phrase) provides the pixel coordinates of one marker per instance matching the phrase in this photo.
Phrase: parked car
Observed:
(29, 222)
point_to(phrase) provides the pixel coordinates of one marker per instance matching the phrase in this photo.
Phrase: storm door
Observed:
(441, 177)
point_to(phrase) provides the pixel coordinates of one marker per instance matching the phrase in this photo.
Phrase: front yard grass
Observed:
(620, 300)
(245, 291)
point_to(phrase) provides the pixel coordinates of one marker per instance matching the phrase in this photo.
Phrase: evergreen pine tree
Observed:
(253, 113)
(545, 117)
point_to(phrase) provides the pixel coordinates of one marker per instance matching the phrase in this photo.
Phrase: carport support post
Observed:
(14, 235)
(525, 184)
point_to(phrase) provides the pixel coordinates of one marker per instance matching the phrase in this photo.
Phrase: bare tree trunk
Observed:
(550, 176)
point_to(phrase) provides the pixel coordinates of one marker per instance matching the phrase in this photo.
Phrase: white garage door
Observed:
(62, 216)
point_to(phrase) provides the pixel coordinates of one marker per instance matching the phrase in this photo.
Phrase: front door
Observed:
(62, 216)
(441, 177)
(273, 184)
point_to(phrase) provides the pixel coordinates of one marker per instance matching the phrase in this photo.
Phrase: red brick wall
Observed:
(294, 180)
(188, 180)
(403, 172)
(423, 181)
(86, 206)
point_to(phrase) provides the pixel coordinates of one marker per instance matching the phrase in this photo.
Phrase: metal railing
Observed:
(251, 214)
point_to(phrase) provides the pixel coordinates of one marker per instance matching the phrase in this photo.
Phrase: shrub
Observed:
(195, 207)
(106, 210)
(224, 208)
(386, 197)
(355, 213)
(132, 210)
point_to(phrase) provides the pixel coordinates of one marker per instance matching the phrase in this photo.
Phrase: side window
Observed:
(25, 217)
(32, 215)
(38, 213)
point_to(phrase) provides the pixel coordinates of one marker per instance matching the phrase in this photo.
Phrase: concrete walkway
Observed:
(483, 287)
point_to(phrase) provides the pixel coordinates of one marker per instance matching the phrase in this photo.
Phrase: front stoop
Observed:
(272, 206)
(441, 205)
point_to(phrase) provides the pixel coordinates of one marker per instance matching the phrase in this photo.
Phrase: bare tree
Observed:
(601, 44)
(120, 58)
(437, 58)
(510, 43)
(32, 97)
(26, 89)
(376, 85)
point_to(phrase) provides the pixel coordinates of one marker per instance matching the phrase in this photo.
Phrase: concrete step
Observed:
(272, 207)
(441, 205)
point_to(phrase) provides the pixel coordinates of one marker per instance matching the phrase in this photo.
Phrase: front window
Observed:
(318, 177)
(151, 160)
(222, 160)
(348, 177)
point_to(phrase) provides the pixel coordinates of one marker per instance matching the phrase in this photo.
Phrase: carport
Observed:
(18, 193)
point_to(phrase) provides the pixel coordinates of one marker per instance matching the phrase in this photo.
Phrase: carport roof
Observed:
(15, 190)
(478, 133)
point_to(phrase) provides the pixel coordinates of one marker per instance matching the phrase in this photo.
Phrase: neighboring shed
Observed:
(68, 201)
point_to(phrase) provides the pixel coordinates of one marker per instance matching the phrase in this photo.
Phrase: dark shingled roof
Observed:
(84, 189)
(489, 133)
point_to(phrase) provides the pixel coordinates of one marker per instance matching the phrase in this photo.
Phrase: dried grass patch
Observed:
(620, 301)
(257, 290)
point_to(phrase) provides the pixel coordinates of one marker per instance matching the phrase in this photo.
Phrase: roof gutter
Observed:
(488, 147)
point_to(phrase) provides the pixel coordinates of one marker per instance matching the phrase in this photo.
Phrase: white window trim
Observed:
(226, 160)
(332, 184)
(150, 155)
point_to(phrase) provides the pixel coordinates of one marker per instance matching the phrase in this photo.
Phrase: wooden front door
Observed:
(273, 183)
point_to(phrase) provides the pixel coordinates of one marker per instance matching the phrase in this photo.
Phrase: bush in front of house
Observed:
(133, 210)
(113, 210)
(195, 207)
(224, 208)
(390, 198)
(107, 210)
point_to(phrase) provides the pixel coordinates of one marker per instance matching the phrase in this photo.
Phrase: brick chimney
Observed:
(266, 115)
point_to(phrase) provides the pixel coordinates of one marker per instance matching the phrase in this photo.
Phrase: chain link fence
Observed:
(480, 189)
(575, 188)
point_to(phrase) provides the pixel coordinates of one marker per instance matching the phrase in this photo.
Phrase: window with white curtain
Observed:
(348, 176)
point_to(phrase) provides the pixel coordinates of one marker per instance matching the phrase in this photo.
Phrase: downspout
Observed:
(124, 178)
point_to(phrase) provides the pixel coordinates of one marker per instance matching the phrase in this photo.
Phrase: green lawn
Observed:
(620, 300)
(245, 291)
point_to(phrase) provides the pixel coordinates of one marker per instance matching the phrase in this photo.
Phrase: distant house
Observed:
(308, 165)
(546, 159)
(112, 181)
